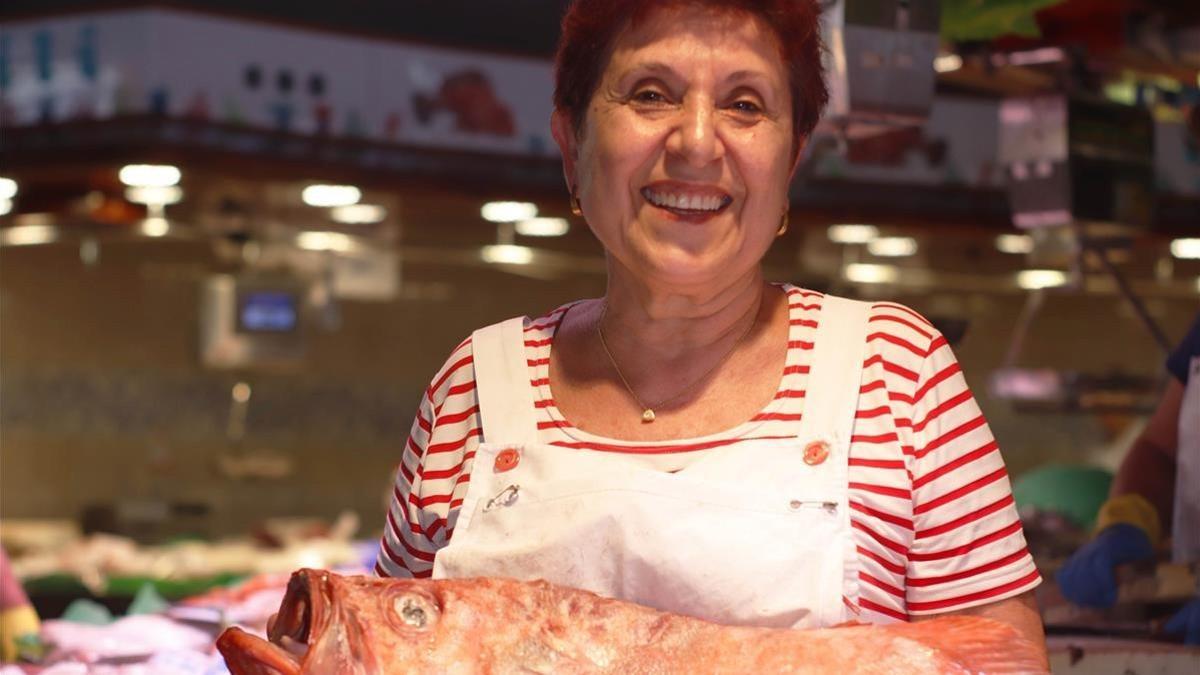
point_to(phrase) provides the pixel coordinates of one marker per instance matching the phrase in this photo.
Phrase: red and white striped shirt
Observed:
(932, 510)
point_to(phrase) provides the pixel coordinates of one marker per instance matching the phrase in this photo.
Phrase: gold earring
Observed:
(576, 206)
(783, 225)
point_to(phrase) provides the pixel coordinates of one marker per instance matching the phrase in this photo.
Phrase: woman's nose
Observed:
(695, 138)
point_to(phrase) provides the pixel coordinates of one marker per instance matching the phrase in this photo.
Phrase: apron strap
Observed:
(831, 397)
(830, 406)
(502, 383)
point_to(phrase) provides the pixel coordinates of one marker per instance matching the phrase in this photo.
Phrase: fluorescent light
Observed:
(325, 241)
(892, 247)
(358, 214)
(947, 63)
(1186, 248)
(5, 207)
(1036, 56)
(154, 194)
(1030, 57)
(508, 212)
(1014, 243)
(852, 234)
(1033, 279)
(1035, 219)
(149, 175)
(155, 227)
(331, 195)
(28, 235)
(507, 254)
(8, 188)
(542, 227)
(863, 273)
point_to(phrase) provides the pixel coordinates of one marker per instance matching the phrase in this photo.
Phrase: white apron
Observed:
(1185, 529)
(755, 534)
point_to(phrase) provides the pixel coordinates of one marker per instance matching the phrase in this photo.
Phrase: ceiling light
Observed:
(325, 241)
(947, 63)
(358, 214)
(852, 234)
(154, 194)
(1034, 279)
(871, 274)
(331, 195)
(1035, 56)
(542, 227)
(508, 212)
(892, 247)
(1014, 243)
(507, 254)
(28, 235)
(149, 175)
(8, 188)
(1186, 248)
(155, 227)
(5, 207)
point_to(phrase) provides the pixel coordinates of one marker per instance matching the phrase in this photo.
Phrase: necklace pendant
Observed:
(647, 415)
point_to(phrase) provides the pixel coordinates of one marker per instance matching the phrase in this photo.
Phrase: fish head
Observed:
(333, 624)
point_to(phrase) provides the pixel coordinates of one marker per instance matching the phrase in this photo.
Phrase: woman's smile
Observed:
(686, 202)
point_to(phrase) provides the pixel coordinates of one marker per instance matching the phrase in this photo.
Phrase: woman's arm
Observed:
(1149, 467)
(1020, 612)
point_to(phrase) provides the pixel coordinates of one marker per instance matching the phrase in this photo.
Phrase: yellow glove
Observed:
(19, 626)
(1133, 509)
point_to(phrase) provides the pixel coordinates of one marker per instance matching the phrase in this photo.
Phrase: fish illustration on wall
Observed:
(467, 95)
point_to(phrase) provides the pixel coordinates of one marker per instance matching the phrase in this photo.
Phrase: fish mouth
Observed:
(305, 607)
(302, 614)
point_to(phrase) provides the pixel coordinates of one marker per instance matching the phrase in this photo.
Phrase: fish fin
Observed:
(978, 644)
(246, 654)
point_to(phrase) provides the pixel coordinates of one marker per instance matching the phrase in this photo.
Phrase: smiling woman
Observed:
(682, 159)
(700, 440)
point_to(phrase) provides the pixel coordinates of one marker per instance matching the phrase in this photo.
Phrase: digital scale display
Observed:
(267, 312)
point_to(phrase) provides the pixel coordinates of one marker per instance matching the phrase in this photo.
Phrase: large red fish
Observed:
(333, 624)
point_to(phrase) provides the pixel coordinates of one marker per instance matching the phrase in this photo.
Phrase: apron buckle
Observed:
(816, 452)
(507, 459)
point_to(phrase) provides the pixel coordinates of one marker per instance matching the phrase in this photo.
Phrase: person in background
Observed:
(1156, 489)
(19, 626)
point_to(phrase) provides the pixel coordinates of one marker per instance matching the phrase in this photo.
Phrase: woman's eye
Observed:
(745, 106)
(649, 96)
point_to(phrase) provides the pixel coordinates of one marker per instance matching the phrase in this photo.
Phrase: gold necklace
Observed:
(648, 410)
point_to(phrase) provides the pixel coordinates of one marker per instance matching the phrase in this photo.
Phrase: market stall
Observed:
(226, 283)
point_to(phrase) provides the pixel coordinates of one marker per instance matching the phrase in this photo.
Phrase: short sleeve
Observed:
(434, 463)
(968, 548)
(407, 548)
(1180, 359)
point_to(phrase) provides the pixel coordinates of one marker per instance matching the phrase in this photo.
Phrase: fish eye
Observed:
(411, 611)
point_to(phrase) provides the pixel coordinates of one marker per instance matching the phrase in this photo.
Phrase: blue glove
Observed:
(1087, 578)
(1186, 622)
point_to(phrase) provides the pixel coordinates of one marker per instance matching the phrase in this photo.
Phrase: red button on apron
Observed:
(816, 452)
(506, 459)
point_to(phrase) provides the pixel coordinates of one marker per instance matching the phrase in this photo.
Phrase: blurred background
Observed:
(238, 238)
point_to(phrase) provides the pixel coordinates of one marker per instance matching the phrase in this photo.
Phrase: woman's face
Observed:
(683, 163)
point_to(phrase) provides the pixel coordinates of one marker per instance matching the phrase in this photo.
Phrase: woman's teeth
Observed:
(686, 202)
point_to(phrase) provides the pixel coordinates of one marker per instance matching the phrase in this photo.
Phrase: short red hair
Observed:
(589, 28)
